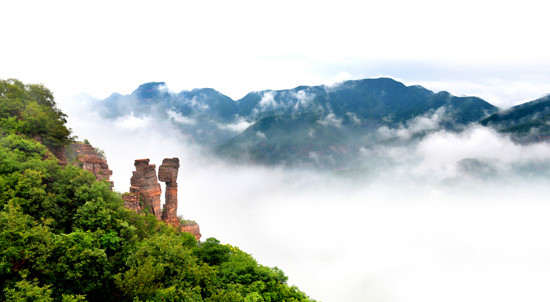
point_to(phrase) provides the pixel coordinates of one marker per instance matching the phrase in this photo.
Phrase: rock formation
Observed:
(145, 193)
(168, 173)
(131, 200)
(145, 179)
(192, 228)
(88, 158)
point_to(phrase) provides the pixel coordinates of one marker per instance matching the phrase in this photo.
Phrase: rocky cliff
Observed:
(145, 190)
(86, 156)
(145, 179)
(145, 193)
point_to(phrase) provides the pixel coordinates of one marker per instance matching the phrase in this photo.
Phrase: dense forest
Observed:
(64, 236)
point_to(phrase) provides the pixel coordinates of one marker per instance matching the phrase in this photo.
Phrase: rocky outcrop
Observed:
(192, 228)
(168, 173)
(87, 157)
(132, 200)
(145, 179)
(145, 193)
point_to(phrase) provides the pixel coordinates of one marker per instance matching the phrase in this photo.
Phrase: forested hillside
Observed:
(309, 126)
(64, 236)
(526, 122)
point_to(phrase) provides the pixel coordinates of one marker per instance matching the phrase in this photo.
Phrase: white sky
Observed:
(498, 50)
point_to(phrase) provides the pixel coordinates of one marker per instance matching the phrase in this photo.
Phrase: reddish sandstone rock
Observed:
(193, 229)
(168, 173)
(131, 200)
(145, 193)
(88, 158)
(145, 178)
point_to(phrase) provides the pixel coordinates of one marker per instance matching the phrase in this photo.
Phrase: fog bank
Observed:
(453, 217)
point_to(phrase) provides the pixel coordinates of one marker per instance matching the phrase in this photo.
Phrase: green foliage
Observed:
(64, 236)
(212, 252)
(29, 291)
(31, 110)
(73, 298)
(186, 221)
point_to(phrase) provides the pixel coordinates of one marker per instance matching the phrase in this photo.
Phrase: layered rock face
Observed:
(88, 159)
(131, 200)
(168, 173)
(145, 179)
(145, 193)
(193, 229)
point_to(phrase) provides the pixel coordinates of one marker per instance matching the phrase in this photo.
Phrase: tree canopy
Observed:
(30, 110)
(64, 236)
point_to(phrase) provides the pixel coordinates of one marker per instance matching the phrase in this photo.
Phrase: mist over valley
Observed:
(335, 151)
(363, 190)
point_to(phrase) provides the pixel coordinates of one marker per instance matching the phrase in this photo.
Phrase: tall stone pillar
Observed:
(145, 178)
(168, 173)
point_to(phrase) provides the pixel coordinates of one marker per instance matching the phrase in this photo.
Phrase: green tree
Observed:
(31, 110)
(28, 291)
(64, 236)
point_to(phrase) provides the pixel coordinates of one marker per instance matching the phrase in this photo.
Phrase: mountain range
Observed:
(527, 122)
(321, 126)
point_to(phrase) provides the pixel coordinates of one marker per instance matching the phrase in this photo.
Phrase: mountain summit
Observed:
(313, 125)
(526, 122)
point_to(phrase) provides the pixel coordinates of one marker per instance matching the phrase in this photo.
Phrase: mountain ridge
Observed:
(314, 125)
(525, 122)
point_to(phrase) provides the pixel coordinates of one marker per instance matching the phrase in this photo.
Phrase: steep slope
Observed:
(65, 236)
(526, 122)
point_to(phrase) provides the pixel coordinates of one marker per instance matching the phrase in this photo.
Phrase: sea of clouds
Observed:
(450, 217)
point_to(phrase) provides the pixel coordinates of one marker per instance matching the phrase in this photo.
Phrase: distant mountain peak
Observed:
(148, 90)
(321, 125)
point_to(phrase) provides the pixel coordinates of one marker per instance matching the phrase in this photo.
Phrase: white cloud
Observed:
(239, 126)
(304, 99)
(426, 122)
(261, 135)
(331, 120)
(314, 155)
(398, 234)
(392, 237)
(354, 118)
(180, 118)
(132, 122)
(164, 89)
(338, 79)
(196, 104)
(268, 101)
(429, 121)
(442, 150)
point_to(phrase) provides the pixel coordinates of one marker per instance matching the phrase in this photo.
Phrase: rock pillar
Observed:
(145, 186)
(168, 173)
(145, 178)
